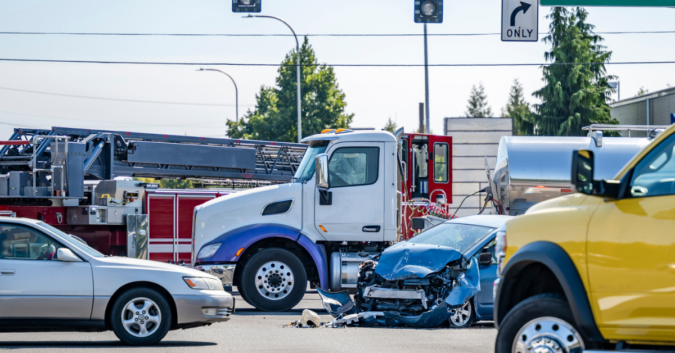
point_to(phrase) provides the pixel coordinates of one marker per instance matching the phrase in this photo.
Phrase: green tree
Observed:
(519, 110)
(275, 117)
(390, 126)
(169, 183)
(478, 106)
(574, 96)
(642, 91)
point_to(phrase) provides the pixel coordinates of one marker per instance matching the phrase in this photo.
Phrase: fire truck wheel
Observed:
(273, 280)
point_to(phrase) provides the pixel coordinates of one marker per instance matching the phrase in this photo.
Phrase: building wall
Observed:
(634, 111)
(473, 139)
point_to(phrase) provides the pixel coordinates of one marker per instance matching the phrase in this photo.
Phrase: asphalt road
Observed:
(250, 330)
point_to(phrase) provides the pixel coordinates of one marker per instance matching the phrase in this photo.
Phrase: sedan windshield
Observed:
(461, 237)
(75, 240)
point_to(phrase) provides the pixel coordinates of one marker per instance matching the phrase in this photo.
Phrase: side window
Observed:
(23, 243)
(352, 166)
(441, 162)
(654, 175)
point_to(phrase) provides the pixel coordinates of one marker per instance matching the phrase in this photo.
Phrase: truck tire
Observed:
(273, 280)
(141, 317)
(540, 323)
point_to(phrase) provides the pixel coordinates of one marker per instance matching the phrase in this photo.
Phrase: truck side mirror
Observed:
(583, 163)
(321, 174)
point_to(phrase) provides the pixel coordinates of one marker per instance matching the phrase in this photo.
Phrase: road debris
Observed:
(412, 285)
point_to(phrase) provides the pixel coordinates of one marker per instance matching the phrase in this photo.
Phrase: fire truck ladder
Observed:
(103, 154)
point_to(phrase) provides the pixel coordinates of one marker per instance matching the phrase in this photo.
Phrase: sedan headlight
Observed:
(201, 283)
(208, 250)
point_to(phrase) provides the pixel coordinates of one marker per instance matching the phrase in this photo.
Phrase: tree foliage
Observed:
(275, 116)
(574, 96)
(642, 91)
(478, 106)
(519, 110)
(169, 183)
(390, 126)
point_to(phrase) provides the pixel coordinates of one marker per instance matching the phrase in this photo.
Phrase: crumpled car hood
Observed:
(407, 260)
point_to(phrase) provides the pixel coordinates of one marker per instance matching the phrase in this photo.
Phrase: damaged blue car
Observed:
(439, 276)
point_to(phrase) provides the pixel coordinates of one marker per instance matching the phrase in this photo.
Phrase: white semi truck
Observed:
(270, 241)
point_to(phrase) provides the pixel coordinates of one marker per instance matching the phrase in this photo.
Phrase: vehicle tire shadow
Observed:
(96, 344)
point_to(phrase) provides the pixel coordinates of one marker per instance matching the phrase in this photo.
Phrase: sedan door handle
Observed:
(371, 229)
(7, 272)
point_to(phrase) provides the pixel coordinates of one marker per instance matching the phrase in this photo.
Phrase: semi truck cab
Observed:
(271, 241)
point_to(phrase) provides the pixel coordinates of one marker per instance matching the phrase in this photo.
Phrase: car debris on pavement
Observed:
(412, 285)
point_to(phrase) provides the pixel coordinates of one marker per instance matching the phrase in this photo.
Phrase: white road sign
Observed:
(520, 20)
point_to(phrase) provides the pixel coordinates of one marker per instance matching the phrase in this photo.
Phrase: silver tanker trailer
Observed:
(531, 169)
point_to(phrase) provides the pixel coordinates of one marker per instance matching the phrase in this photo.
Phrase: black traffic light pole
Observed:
(426, 78)
(428, 11)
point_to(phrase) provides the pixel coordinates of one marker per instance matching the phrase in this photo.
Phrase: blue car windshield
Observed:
(461, 237)
(306, 169)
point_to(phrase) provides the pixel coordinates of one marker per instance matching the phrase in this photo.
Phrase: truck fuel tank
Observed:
(344, 272)
(531, 169)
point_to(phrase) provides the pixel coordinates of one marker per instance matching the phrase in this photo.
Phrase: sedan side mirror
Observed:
(66, 255)
(321, 174)
(485, 259)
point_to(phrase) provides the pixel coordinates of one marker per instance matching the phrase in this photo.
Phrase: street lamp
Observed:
(236, 90)
(616, 85)
(297, 49)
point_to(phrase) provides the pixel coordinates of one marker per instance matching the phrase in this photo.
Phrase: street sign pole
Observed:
(426, 80)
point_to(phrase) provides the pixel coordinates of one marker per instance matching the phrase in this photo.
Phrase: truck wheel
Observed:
(464, 316)
(141, 317)
(543, 323)
(273, 280)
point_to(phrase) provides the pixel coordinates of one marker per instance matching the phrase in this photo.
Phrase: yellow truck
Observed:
(594, 270)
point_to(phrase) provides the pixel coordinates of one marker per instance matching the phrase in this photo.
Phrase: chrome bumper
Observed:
(210, 307)
(224, 272)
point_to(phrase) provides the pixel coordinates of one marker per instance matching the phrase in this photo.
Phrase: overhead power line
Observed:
(334, 65)
(307, 35)
(119, 99)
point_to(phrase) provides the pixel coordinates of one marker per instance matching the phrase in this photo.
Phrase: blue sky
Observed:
(373, 94)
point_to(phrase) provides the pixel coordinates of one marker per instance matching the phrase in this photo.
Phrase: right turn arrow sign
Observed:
(520, 21)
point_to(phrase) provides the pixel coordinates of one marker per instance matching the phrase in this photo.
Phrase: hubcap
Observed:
(548, 335)
(461, 315)
(141, 317)
(274, 280)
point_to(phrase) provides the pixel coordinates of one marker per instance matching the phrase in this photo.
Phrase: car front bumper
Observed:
(204, 308)
(224, 272)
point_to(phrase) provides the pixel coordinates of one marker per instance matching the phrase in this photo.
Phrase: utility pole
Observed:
(421, 130)
(426, 78)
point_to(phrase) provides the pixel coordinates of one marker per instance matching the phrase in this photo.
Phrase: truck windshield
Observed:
(306, 169)
(461, 237)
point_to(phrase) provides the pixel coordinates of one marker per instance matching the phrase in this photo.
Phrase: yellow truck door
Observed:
(631, 253)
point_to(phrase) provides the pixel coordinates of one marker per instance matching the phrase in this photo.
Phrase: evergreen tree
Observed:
(390, 126)
(519, 110)
(275, 117)
(574, 96)
(478, 106)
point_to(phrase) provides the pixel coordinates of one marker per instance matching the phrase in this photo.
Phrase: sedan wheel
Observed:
(463, 316)
(141, 316)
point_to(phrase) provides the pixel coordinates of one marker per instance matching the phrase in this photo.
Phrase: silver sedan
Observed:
(51, 281)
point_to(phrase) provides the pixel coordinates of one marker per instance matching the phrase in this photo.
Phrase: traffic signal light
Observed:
(246, 5)
(428, 11)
